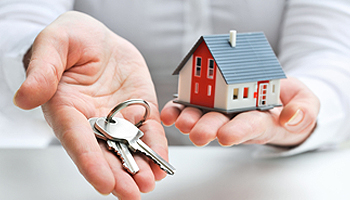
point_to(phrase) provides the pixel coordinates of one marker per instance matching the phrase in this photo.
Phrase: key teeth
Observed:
(127, 169)
(157, 163)
(111, 149)
(122, 159)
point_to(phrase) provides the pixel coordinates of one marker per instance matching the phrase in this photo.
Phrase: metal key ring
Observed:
(127, 103)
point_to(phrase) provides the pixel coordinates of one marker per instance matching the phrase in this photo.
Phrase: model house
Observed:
(230, 73)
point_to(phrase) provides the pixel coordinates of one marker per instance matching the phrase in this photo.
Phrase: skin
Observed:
(287, 126)
(79, 69)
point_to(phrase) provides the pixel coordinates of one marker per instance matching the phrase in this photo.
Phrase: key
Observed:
(124, 131)
(120, 148)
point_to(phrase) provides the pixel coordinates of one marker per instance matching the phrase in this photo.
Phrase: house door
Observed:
(262, 93)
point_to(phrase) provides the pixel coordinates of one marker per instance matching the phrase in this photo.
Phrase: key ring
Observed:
(127, 103)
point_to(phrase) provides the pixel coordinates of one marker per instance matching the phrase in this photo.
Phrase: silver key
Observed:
(124, 131)
(120, 148)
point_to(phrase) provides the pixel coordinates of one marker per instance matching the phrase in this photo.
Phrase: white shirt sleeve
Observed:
(315, 48)
(20, 22)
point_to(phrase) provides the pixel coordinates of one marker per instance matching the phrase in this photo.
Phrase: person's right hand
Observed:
(80, 69)
(289, 125)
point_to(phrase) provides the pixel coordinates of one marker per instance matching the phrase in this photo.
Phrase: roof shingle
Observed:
(252, 59)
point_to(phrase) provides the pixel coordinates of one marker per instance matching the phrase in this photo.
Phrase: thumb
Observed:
(44, 72)
(301, 107)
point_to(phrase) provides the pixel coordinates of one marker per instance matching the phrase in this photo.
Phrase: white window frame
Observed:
(198, 66)
(210, 70)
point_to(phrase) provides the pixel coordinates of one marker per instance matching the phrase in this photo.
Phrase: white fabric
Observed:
(309, 36)
(315, 47)
(20, 22)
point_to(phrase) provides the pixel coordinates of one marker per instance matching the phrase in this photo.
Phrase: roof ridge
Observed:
(250, 46)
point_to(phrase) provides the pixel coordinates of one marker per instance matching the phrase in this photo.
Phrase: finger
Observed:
(76, 136)
(170, 113)
(287, 126)
(258, 128)
(144, 178)
(244, 127)
(48, 61)
(125, 186)
(129, 186)
(155, 138)
(207, 127)
(143, 181)
(301, 106)
(187, 119)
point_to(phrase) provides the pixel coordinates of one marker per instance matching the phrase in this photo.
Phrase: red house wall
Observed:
(202, 87)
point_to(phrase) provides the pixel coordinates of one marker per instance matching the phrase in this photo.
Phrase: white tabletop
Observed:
(202, 173)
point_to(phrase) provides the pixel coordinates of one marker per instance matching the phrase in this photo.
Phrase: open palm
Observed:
(289, 125)
(80, 69)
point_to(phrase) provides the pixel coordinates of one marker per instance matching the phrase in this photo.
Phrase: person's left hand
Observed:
(289, 125)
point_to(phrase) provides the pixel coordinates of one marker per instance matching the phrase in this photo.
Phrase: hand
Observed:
(80, 69)
(289, 125)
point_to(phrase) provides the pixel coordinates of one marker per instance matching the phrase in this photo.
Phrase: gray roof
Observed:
(251, 60)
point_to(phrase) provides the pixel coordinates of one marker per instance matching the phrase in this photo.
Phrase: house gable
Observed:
(203, 77)
(188, 55)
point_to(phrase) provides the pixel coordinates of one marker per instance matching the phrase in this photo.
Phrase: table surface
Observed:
(202, 173)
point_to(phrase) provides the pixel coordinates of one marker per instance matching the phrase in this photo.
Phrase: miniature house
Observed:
(230, 73)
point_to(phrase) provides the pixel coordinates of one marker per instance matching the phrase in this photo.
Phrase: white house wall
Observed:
(185, 78)
(221, 89)
(241, 102)
(273, 96)
(224, 94)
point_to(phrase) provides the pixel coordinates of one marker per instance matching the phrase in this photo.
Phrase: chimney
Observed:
(233, 34)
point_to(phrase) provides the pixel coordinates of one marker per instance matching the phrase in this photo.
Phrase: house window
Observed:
(198, 66)
(235, 93)
(273, 89)
(196, 88)
(245, 92)
(211, 68)
(209, 91)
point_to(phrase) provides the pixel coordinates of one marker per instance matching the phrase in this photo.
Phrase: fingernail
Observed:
(104, 194)
(296, 118)
(14, 99)
(116, 194)
(226, 145)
